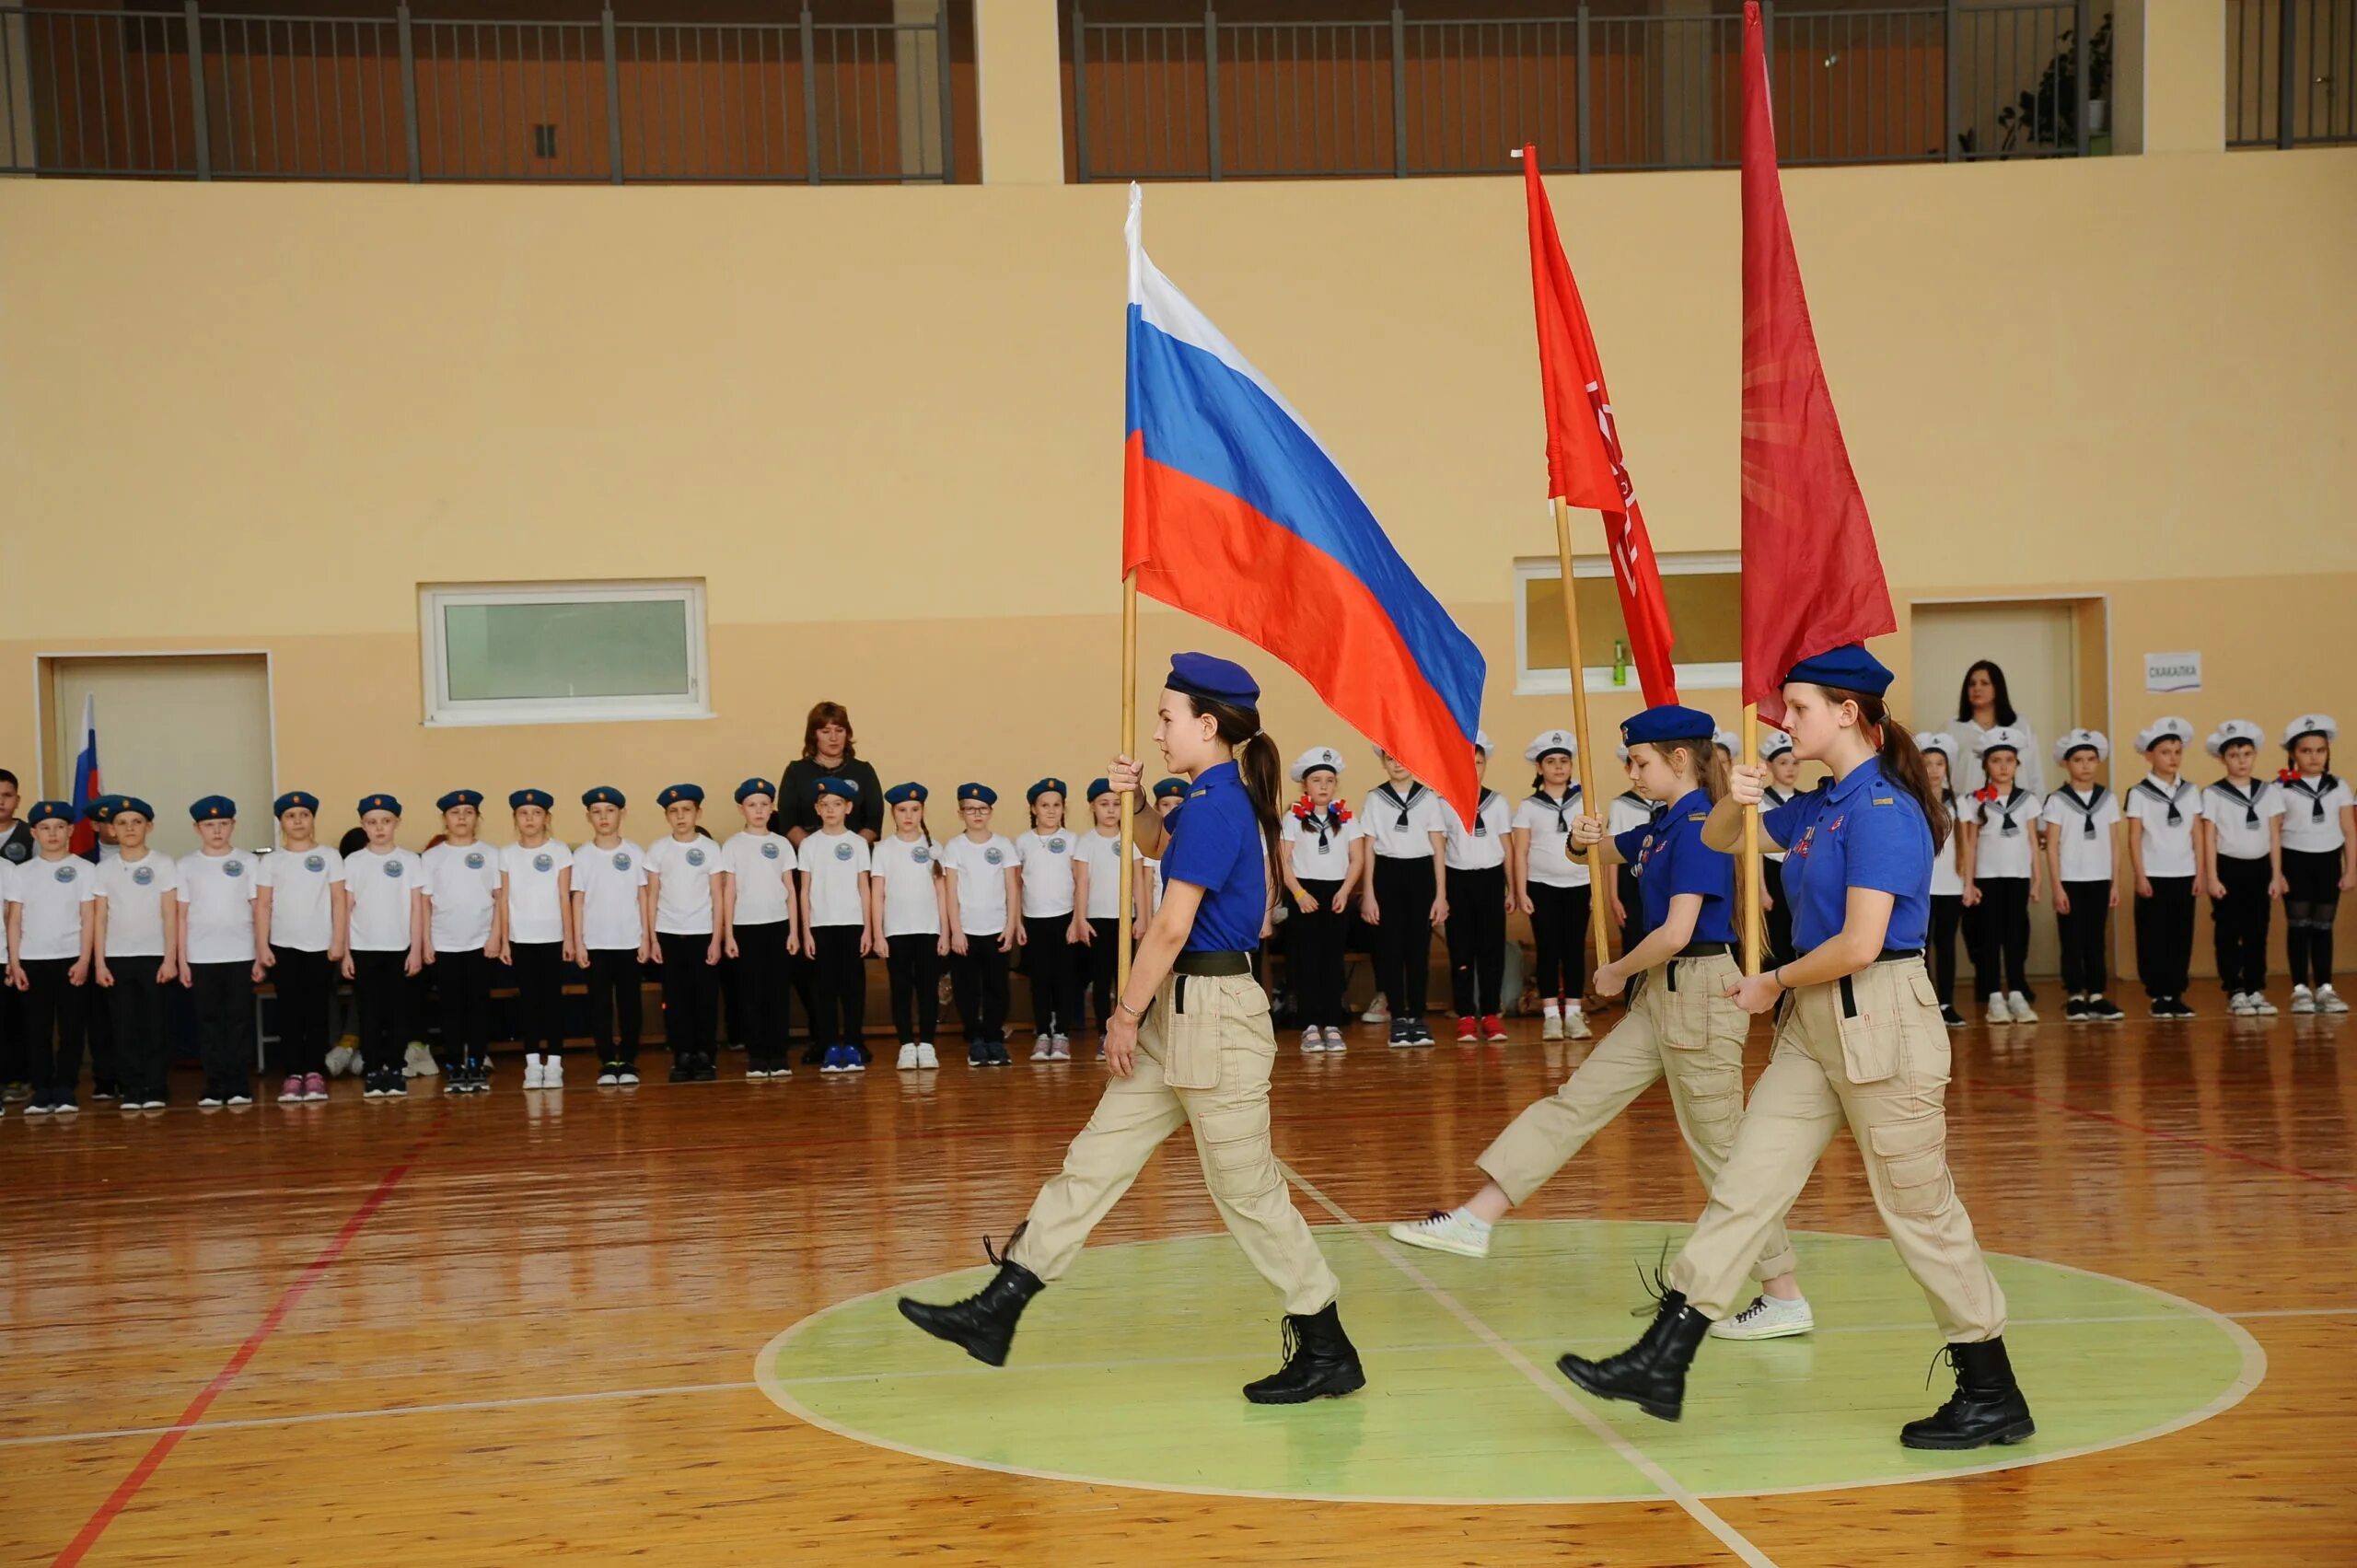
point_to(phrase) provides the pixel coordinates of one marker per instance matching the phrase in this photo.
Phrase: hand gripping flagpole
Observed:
(1600, 922)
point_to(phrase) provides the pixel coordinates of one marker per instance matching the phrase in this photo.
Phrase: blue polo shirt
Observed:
(1215, 843)
(1669, 857)
(1860, 831)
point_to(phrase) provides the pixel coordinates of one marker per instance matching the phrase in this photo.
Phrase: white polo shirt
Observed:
(379, 887)
(535, 904)
(683, 869)
(1482, 845)
(981, 881)
(2239, 815)
(1321, 852)
(302, 908)
(1400, 826)
(2166, 846)
(1046, 859)
(217, 898)
(762, 865)
(1947, 876)
(2312, 813)
(135, 891)
(2002, 850)
(609, 881)
(2083, 825)
(53, 893)
(908, 867)
(833, 863)
(1101, 852)
(461, 883)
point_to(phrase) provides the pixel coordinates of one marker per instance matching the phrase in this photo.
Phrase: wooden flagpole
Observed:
(1750, 900)
(1599, 890)
(1129, 803)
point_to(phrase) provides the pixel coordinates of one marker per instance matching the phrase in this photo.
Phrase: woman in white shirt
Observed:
(1985, 705)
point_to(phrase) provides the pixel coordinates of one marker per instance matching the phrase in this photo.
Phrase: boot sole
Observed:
(1653, 1408)
(988, 1355)
(2003, 1437)
(1327, 1391)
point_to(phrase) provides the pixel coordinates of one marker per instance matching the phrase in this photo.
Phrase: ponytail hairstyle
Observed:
(1902, 764)
(1710, 765)
(1256, 764)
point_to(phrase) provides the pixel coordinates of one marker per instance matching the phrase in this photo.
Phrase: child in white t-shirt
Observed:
(2003, 874)
(1939, 750)
(2082, 844)
(1097, 886)
(1406, 827)
(463, 918)
(756, 885)
(136, 945)
(219, 950)
(300, 904)
(385, 894)
(1047, 935)
(2242, 862)
(909, 922)
(985, 892)
(535, 933)
(613, 919)
(688, 938)
(51, 925)
(2164, 813)
(832, 882)
(2319, 858)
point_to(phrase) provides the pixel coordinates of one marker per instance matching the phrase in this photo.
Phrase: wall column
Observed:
(1019, 84)
(2168, 75)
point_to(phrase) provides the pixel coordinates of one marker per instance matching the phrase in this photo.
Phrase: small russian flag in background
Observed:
(1233, 512)
(86, 787)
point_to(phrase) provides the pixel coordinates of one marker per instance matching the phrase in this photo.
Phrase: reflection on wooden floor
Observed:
(488, 1330)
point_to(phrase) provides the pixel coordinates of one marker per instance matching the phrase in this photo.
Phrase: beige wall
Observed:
(883, 424)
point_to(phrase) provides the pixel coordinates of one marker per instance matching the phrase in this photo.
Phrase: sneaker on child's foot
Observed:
(1493, 1027)
(2018, 1005)
(2103, 1010)
(1445, 1230)
(2304, 1000)
(1998, 1011)
(2329, 1000)
(1313, 1040)
(1402, 1035)
(291, 1091)
(1576, 1024)
(1469, 1031)
(532, 1070)
(627, 1077)
(2262, 1005)
(237, 1101)
(1551, 1024)
(999, 1057)
(2238, 1003)
(341, 1058)
(908, 1061)
(1951, 1017)
(1377, 1011)
(1768, 1317)
(2075, 1009)
(418, 1062)
(978, 1053)
(1335, 1043)
(926, 1056)
(315, 1087)
(1422, 1033)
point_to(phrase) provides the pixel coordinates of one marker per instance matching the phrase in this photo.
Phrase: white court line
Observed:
(1669, 1486)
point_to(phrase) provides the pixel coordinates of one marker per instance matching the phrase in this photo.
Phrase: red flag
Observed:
(1812, 578)
(1583, 463)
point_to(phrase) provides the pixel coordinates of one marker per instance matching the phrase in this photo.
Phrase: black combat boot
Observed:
(1321, 1363)
(983, 1324)
(1650, 1374)
(1986, 1408)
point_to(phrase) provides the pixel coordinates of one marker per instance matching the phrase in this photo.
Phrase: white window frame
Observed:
(1551, 682)
(441, 709)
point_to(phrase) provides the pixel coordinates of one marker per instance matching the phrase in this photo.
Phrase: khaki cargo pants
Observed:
(1870, 1051)
(1694, 1036)
(1205, 1052)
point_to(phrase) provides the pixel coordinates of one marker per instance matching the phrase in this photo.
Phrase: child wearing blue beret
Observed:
(535, 933)
(832, 885)
(910, 923)
(383, 885)
(462, 935)
(756, 890)
(985, 894)
(613, 919)
(302, 906)
(687, 939)
(52, 924)
(1050, 932)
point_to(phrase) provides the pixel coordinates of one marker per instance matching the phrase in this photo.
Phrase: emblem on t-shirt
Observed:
(143, 876)
(315, 863)
(1055, 846)
(393, 867)
(65, 874)
(769, 851)
(842, 852)
(622, 861)
(233, 869)
(921, 855)
(991, 856)
(695, 857)
(474, 860)
(543, 861)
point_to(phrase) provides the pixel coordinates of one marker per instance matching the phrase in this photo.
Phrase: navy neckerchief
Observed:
(2176, 818)
(1560, 807)
(2326, 783)
(2010, 803)
(2086, 808)
(2250, 803)
(1482, 828)
(1325, 824)
(1386, 790)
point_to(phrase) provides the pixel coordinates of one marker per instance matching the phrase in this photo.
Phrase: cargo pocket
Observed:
(1914, 1163)
(1715, 1102)
(1870, 1036)
(1190, 1038)
(1682, 1017)
(1238, 1164)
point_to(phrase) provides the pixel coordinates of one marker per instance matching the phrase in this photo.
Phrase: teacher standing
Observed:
(827, 752)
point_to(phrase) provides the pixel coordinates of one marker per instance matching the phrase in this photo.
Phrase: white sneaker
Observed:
(626, 1077)
(418, 1062)
(926, 1056)
(1551, 1024)
(1335, 1044)
(2329, 1000)
(235, 1101)
(1313, 1041)
(2262, 1005)
(2239, 1005)
(1377, 1012)
(551, 1072)
(908, 1062)
(1998, 1011)
(2018, 1004)
(1445, 1230)
(1768, 1317)
(340, 1060)
(2304, 1000)
(531, 1072)
(1575, 1024)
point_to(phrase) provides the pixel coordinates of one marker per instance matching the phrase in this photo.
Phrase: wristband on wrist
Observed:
(1137, 1013)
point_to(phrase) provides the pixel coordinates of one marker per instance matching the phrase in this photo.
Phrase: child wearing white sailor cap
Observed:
(2164, 811)
(2003, 873)
(1552, 883)
(1323, 863)
(1481, 888)
(2242, 864)
(2319, 858)
(1939, 750)
(2083, 825)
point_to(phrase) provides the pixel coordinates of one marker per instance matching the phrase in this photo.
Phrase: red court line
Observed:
(2207, 1149)
(96, 1526)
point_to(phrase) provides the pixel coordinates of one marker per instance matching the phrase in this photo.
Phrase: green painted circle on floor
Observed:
(1128, 1373)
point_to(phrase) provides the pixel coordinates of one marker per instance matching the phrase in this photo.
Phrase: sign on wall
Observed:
(2173, 672)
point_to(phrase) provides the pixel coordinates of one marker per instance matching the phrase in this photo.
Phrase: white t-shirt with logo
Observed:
(1400, 826)
(763, 865)
(302, 907)
(135, 891)
(2238, 818)
(1996, 853)
(534, 902)
(909, 868)
(2084, 859)
(1549, 823)
(1315, 855)
(217, 898)
(1046, 859)
(461, 884)
(2168, 848)
(607, 881)
(2312, 814)
(53, 893)
(833, 863)
(379, 887)
(683, 869)
(1482, 845)
(1101, 852)
(981, 882)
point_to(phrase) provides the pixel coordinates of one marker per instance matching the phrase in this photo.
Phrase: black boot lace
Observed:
(1291, 1341)
(1012, 1237)
(1656, 1289)
(1955, 1359)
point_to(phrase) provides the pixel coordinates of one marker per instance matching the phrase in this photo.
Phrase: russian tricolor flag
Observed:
(1233, 512)
(86, 787)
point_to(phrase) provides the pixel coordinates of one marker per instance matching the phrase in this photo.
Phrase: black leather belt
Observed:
(1212, 963)
(1888, 956)
(1706, 949)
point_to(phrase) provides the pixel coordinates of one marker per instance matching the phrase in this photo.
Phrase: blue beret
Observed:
(1222, 681)
(213, 807)
(604, 795)
(981, 792)
(539, 798)
(101, 809)
(131, 803)
(1849, 667)
(380, 803)
(1099, 787)
(1667, 722)
(900, 791)
(293, 799)
(846, 788)
(459, 798)
(1045, 786)
(1169, 787)
(693, 794)
(755, 786)
(50, 811)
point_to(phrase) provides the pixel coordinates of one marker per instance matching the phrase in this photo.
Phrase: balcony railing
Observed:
(199, 94)
(2290, 73)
